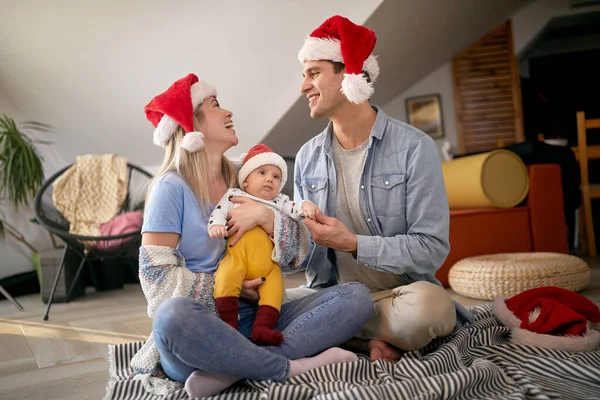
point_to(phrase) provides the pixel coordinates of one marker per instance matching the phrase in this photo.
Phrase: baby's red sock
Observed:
(228, 310)
(262, 331)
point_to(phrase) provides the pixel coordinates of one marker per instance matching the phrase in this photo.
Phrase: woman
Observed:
(178, 258)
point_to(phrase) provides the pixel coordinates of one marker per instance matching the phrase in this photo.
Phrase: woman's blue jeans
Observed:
(190, 337)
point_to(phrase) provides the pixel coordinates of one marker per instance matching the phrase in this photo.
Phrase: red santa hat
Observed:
(551, 317)
(175, 107)
(339, 39)
(258, 156)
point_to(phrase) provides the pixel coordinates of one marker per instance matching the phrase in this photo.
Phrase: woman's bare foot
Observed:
(204, 384)
(330, 356)
(380, 350)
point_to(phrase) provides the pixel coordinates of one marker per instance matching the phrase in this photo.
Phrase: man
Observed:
(384, 217)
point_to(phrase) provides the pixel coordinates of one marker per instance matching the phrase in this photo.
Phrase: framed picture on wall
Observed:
(425, 114)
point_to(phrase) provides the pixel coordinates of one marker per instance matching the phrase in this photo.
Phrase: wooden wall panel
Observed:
(487, 93)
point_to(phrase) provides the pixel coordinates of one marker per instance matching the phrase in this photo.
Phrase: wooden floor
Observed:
(66, 357)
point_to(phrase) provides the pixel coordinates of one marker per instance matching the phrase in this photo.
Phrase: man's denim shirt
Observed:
(403, 200)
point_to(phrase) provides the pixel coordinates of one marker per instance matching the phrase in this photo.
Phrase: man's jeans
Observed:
(189, 337)
(408, 317)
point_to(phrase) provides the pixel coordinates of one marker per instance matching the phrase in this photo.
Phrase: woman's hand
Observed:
(250, 289)
(248, 215)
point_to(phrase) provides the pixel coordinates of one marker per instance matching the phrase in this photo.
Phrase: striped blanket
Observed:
(475, 362)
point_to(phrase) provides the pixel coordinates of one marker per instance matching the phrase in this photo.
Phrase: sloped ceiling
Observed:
(89, 67)
(565, 34)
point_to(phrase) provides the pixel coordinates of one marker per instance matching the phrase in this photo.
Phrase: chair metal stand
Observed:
(11, 299)
(55, 284)
(84, 260)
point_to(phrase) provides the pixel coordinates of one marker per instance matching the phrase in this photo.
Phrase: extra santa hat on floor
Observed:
(175, 107)
(339, 39)
(551, 317)
(258, 156)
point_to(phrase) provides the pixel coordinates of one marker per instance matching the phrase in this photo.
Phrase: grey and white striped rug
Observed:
(476, 362)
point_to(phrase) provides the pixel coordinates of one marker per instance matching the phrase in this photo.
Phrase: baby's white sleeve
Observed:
(291, 208)
(219, 214)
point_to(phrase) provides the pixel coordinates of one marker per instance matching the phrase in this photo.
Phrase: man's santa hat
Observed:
(258, 156)
(551, 317)
(339, 39)
(175, 107)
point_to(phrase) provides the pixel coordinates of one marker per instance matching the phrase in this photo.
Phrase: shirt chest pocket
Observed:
(314, 189)
(389, 194)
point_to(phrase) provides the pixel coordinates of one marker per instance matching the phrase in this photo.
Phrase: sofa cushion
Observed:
(497, 178)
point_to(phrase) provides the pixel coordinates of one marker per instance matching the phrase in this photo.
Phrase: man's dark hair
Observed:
(338, 67)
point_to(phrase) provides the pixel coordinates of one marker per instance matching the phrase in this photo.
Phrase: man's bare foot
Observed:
(380, 350)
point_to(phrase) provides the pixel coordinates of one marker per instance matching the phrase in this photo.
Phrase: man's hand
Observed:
(217, 231)
(331, 232)
(248, 215)
(250, 289)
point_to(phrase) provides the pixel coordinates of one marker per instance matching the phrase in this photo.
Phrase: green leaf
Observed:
(21, 167)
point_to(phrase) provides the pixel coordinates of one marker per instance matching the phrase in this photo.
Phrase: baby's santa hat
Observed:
(258, 156)
(175, 107)
(551, 317)
(339, 39)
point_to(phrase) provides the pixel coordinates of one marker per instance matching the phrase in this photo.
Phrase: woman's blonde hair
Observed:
(193, 167)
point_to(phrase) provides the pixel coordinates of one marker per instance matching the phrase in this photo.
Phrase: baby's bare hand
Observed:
(309, 210)
(217, 231)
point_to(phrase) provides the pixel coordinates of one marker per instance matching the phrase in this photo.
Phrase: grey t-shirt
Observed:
(349, 165)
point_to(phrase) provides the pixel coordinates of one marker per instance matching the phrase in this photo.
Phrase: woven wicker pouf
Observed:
(507, 274)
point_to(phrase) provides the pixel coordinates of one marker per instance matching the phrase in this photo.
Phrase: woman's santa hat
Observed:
(258, 156)
(339, 39)
(175, 107)
(551, 317)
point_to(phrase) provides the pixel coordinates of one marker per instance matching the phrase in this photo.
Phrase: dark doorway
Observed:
(560, 76)
(564, 84)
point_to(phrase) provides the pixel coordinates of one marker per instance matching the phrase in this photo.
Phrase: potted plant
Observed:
(21, 171)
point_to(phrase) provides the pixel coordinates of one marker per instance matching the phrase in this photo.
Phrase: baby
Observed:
(262, 176)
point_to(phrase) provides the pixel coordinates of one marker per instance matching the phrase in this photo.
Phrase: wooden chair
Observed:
(584, 153)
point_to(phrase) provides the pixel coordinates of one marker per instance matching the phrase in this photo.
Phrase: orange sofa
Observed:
(539, 225)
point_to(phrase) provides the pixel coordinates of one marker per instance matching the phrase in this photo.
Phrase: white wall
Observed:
(527, 23)
(8, 108)
(14, 257)
(439, 81)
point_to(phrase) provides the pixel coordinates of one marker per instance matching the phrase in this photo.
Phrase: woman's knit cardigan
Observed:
(163, 274)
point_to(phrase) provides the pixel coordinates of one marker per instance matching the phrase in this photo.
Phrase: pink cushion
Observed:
(122, 223)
